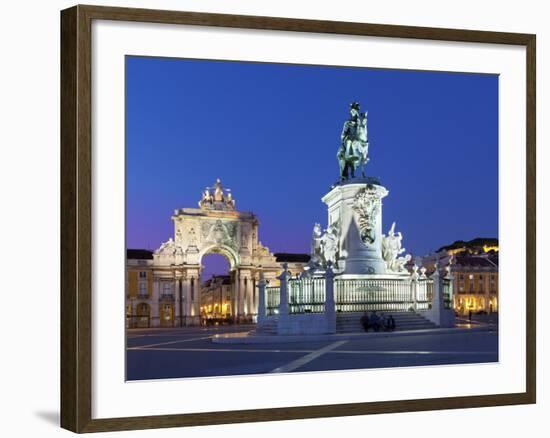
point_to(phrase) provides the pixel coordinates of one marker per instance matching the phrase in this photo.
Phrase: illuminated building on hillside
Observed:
(476, 246)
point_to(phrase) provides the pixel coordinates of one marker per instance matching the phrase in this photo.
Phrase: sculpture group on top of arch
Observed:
(217, 198)
(216, 226)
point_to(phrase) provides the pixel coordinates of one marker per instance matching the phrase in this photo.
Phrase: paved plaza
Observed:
(190, 352)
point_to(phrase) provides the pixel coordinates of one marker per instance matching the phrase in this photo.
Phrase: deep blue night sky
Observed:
(271, 132)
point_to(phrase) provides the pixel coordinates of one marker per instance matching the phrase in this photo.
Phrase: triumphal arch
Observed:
(215, 227)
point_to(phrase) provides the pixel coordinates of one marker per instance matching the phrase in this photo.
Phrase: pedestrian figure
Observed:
(391, 323)
(374, 321)
(365, 321)
(383, 322)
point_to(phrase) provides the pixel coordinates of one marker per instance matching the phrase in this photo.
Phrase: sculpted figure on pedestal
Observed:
(192, 237)
(316, 250)
(230, 201)
(392, 249)
(329, 244)
(400, 262)
(316, 260)
(218, 192)
(206, 199)
(354, 147)
(169, 248)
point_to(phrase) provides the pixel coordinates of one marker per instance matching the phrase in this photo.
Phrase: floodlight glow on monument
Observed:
(353, 240)
(354, 267)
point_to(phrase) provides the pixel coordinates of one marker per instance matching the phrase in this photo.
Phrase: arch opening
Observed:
(216, 287)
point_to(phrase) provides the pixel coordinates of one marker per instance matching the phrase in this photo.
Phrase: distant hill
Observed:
(475, 245)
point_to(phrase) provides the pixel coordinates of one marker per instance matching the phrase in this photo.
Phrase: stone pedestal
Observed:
(355, 209)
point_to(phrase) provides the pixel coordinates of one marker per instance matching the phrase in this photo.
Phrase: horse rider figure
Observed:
(353, 149)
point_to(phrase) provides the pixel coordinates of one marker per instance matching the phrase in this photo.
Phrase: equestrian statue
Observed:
(354, 146)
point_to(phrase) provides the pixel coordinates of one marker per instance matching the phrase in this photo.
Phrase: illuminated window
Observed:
(142, 288)
(167, 312)
(143, 309)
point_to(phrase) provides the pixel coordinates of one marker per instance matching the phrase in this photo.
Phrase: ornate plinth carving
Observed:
(367, 205)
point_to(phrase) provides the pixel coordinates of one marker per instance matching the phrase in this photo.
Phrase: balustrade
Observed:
(307, 295)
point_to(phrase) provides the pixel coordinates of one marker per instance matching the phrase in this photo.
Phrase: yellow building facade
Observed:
(476, 284)
(139, 288)
(216, 299)
(475, 272)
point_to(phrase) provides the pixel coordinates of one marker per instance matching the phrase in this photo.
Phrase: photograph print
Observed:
(285, 218)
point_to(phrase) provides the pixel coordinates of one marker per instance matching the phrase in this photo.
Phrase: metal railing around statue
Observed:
(307, 295)
(360, 295)
(427, 293)
(447, 293)
(396, 295)
(273, 299)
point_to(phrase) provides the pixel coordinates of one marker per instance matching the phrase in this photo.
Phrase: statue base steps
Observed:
(351, 322)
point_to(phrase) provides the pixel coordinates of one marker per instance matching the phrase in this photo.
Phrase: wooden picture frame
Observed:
(76, 217)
